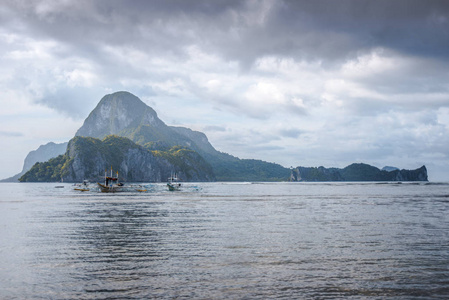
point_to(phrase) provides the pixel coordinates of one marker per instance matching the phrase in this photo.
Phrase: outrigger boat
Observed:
(84, 187)
(173, 184)
(111, 184)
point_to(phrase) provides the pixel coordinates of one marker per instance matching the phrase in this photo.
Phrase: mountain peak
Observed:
(390, 168)
(122, 96)
(117, 112)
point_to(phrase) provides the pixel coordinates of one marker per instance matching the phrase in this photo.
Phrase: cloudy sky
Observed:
(299, 83)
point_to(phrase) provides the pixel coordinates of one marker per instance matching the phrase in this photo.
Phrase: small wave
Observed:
(236, 183)
(437, 183)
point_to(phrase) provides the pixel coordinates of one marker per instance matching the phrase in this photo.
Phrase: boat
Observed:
(141, 189)
(173, 184)
(83, 187)
(111, 184)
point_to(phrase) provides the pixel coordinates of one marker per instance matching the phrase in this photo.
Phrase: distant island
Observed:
(358, 172)
(124, 133)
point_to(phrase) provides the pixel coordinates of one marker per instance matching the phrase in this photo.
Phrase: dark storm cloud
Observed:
(241, 30)
(150, 25)
(417, 27)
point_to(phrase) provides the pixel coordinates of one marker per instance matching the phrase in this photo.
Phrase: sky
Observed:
(298, 83)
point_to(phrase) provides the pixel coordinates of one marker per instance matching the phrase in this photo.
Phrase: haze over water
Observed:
(226, 240)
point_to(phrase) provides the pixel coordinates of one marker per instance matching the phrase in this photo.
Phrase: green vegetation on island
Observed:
(185, 159)
(50, 171)
(235, 169)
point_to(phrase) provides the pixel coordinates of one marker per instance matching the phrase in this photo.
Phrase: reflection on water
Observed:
(221, 241)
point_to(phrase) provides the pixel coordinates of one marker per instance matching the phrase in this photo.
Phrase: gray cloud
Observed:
(73, 102)
(11, 133)
(214, 128)
(290, 132)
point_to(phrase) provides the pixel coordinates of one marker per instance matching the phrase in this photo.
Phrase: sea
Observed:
(226, 241)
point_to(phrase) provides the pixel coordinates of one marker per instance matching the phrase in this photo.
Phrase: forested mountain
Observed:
(125, 115)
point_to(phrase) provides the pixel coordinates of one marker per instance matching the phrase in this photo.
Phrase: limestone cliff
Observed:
(118, 112)
(125, 115)
(88, 158)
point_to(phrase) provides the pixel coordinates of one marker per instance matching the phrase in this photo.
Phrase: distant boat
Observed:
(141, 189)
(111, 184)
(173, 184)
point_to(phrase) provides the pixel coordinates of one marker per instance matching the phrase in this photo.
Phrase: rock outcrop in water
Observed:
(357, 172)
(88, 158)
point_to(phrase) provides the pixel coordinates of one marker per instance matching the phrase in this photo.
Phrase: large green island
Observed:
(124, 133)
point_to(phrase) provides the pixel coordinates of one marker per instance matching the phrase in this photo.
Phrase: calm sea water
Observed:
(226, 241)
